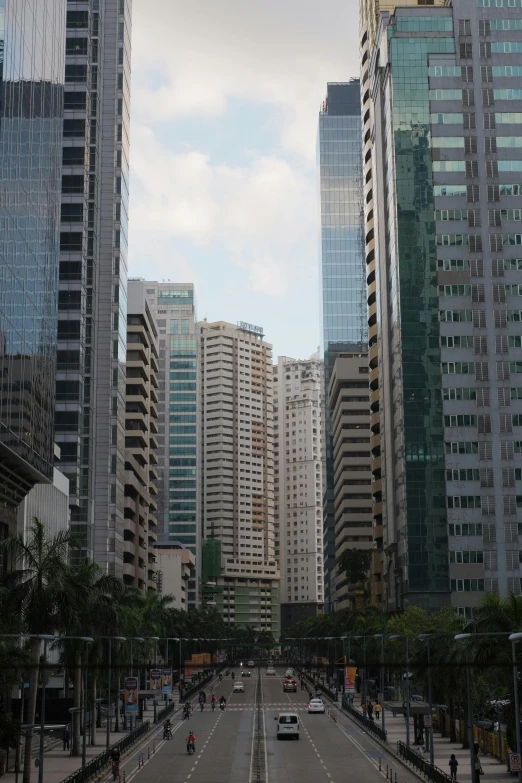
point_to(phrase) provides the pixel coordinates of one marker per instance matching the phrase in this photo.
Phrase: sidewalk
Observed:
(494, 770)
(59, 764)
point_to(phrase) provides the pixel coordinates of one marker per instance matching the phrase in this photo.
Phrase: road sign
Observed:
(427, 721)
(514, 762)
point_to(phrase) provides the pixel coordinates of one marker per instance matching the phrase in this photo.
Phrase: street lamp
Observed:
(406, 690)
(155, 639)
(109, 689)
(381, 637)
(459, 637)
(45, 638)
(427, 637)
(363, 701)
(514, 638)
(131, 640)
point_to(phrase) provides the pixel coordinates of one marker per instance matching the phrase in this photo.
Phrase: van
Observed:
(287, 725)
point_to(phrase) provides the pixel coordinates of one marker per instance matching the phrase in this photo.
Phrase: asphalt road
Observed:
(331, 748)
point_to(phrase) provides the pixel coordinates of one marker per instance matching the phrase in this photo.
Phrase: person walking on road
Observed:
(66, 737)
(370, 709)
(453, 764)
(378, 711)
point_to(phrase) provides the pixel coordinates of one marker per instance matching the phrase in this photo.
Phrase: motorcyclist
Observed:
(233, 675)
(222, 702)
(191, 741)
(213, 701)
(201, 702)
(167, 729)
(187, 709)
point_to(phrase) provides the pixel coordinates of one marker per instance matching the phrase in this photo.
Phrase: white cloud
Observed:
(262, 214)
(203, 52)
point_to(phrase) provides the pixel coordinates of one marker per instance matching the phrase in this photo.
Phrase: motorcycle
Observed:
(222, 705)
(191, 748)
(167, 734)
(186, 714)
(115, 769)
(213, 706)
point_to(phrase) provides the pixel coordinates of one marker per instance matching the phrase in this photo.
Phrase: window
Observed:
(449, 165)
(456, 315)
(449, 190)
(467, 585)
(461, 447)
(453, 264)
(469, 529)
(507, 118)
(460, 420)
(457, 341)
(456, 368)
(452, 142)
(455, 290)
(445, 95)
(466, 557)
(459, 394)
(463, 474)
(447, 119)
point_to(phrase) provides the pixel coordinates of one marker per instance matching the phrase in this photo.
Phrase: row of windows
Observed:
(457, 118)
(469, 529)
(459, 394)
(467, 585)
(499, 3)
(463, 474)
(460, 420)
(457, 341)
(462, 190)
(453, 264)
(466, 556)
(496, 70)
(456, 166)
(457, 142)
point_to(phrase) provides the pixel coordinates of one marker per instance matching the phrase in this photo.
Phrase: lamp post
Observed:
(363, 690)
(131, 640)
(383, 711)
(459, 637)
(514, 638)
(155, 639)
(407, 686)
(87, 640)
(45, 638)
(109, 687)
(427, 637)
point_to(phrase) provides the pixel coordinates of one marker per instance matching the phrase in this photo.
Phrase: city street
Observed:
(330, 747)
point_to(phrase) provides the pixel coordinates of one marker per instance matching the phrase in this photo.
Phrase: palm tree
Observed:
(39, 591)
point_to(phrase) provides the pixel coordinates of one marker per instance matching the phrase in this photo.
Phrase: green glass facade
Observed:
(416, 430)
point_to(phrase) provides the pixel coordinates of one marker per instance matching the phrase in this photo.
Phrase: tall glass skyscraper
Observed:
(342, 267)
(174, 307)
(32, 38)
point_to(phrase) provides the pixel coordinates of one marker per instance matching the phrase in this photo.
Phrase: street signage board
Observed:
(131, 695)
(427, 721)
(514, 762)
(166, 686)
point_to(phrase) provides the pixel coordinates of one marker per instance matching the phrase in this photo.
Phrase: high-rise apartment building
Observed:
(141, 443)
(342, 273)
(173, 306)
(350, 415)
(298, 486)
(31, 111)
(447, 172)
(92, 325)
(237, 474)
(369, 11)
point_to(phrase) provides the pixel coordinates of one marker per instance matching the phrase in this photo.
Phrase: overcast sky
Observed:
(225, 98)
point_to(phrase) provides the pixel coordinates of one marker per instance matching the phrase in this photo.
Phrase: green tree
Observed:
(39, 590)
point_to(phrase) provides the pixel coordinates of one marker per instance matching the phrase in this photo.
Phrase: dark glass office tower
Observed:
(31, 105)
(342, 267)
(90, 390)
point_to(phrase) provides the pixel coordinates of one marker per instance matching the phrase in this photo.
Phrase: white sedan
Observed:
(316, 705)
(239, 687)
(270, 672)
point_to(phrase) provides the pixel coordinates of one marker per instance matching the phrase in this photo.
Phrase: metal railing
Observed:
(100, 763)
(369, 725)
(428, 770)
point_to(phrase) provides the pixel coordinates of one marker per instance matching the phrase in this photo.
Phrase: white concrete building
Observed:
(237, 473)
(174, 567)
(298, 455)
(49, 503)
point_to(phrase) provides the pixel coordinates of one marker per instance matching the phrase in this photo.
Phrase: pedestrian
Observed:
(453, 764)
(378, 711)
(363, 707)
(370, 710)
(350, 698)
(477, 766)
(66, 737)
(420, 745)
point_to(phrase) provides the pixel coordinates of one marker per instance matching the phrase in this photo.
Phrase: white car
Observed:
(251, 663)
(239, 687)
(289, 673)
(287, 725)
(316, 705)
(270, 672)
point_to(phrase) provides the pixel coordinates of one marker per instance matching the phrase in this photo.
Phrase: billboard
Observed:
(188, 674)
(155, 680)
(166, 680)
(349, 679)
(130, 697)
